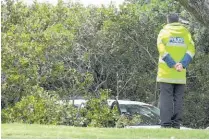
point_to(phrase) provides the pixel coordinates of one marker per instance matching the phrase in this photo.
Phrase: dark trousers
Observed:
(171, 103)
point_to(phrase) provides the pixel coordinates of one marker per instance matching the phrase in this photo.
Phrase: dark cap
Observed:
(172, 18)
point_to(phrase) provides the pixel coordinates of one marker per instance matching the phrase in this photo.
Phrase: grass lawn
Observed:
(35, 131)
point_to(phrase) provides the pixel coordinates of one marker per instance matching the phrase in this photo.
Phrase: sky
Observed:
(85, 2)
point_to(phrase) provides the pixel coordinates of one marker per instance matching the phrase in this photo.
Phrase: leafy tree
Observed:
(199, 9)
(71, 51)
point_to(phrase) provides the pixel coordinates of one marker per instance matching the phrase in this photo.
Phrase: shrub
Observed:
(99, 113)
(38, 108)
(72, 116)
(196, 110)
(125, 120)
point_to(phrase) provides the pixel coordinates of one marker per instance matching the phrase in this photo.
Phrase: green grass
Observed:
(35, 131)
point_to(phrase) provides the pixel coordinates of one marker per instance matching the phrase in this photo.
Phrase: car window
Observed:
(153, 109)
(132, 109)
(149, 114)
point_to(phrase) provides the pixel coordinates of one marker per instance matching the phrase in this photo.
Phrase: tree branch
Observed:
(198, 8)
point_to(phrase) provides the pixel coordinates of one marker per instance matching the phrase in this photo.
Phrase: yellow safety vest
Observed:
(173, 40)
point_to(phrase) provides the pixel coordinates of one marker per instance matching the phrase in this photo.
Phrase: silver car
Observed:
(149, 115)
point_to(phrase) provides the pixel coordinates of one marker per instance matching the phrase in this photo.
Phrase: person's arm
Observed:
(163, 53)
(189, 54)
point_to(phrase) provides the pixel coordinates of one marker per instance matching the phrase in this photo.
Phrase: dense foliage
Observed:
(69, 50)
(40, 109)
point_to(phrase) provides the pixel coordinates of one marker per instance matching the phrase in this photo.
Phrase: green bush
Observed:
(125, 120)
(72, 116)
(43, 108)
(196, 108)
(99, 113)
(38, 108)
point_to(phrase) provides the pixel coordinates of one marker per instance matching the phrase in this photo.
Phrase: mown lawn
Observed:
(35, 131)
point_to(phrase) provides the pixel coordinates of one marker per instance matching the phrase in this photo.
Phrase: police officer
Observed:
(176, 50)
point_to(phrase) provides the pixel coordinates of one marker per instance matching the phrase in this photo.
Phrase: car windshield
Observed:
(153, 109)
(150, 115)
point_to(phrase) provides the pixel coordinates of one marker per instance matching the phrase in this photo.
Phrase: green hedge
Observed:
(196, 110)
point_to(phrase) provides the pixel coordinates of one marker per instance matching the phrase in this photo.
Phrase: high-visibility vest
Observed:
(174, 45)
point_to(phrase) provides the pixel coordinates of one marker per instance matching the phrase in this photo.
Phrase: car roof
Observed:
(110, 101)
(76, 101)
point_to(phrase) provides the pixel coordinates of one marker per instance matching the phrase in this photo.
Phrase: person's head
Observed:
(171, 18)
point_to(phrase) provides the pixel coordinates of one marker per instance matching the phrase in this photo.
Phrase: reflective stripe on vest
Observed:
(167, 80)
